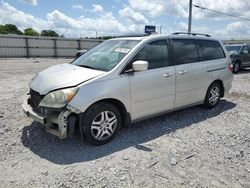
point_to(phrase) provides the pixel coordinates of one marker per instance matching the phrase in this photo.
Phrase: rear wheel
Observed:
(100, 123)
(213, 95)
(236, 67)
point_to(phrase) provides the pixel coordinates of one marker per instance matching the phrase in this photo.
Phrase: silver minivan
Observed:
(124, 80)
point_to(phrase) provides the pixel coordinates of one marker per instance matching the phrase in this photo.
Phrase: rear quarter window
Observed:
(211, 50)
(185, 51)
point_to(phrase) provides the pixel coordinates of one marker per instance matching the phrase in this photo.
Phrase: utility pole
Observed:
(190, 17)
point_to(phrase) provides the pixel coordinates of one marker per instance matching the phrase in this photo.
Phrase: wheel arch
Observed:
(237, 60)
(220, 82)
(126, 118)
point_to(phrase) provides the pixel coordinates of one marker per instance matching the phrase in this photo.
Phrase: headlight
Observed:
(59, 99)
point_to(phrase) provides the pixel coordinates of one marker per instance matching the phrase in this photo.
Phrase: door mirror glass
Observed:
(140, 66)
(245, 51)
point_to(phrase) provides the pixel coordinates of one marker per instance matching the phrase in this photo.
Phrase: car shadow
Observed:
(244, 71)
(74, 151)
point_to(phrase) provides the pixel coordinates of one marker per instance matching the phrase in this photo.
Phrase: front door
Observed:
(245, 58)
(153, 90)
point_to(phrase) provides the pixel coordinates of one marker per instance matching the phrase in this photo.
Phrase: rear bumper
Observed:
(228, 84)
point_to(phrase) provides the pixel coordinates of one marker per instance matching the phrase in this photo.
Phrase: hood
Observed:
(233, 52)
(61, 76)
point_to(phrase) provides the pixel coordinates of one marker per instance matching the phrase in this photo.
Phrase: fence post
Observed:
(55, 48)
(27, 47)
(79, 44)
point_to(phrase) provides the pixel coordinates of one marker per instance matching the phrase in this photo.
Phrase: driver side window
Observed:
(155, 53)
(245, 49)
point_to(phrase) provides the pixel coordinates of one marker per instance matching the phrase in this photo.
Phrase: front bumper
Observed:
(56, 124)
(27, 109)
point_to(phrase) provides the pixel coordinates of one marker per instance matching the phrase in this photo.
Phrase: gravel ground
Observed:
(188, 148)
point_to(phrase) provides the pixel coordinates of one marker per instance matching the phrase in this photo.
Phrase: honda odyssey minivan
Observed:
(124, 80)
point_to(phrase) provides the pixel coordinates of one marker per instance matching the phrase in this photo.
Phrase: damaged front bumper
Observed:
(61, 124)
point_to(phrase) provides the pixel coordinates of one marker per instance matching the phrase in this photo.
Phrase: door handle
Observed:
(182, 72)
(168, 74)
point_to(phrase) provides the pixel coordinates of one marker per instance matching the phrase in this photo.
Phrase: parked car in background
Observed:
(80, 52)
(124, 80)
(240, 56)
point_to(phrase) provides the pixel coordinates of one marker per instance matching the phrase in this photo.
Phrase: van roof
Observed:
(161, 36)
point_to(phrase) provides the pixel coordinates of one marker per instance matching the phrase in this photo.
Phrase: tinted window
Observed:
(233, 48)
(185, 51)
(245, 48)
(155, 53)
(211, 49)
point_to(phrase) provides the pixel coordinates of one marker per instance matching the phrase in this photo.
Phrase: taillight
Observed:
(230, 67)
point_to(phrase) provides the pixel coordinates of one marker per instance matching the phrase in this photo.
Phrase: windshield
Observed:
(233, 48)
(106, 55)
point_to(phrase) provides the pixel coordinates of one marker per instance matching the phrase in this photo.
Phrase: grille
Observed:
(35, 99)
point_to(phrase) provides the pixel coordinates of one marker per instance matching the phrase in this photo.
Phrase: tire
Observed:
(213, 95)
(100, 123)
(236, 67)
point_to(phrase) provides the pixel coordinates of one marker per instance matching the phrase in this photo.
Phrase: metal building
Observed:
(28, 46)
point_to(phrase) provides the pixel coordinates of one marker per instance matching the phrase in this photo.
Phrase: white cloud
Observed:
(22, 20)
(76, 6)
(132, 15)
(159, 7)
(97, 8)
(237, 29)
(31, 2)
(105, 23)
(179, 8)
(234, 7)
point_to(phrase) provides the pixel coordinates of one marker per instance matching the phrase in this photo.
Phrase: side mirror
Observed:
(244, 51)
(140, 66)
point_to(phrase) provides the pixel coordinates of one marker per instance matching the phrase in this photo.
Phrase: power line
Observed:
(216, 11)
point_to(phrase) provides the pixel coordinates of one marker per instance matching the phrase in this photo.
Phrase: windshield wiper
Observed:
(86, 66)
(89, 67)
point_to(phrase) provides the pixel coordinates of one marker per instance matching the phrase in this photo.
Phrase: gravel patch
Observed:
(187, 148)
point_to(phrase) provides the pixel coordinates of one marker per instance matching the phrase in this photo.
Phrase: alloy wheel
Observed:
(214, 95)
(104, 125)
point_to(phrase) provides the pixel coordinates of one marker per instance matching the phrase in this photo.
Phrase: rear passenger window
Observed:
(211, 50)
(155, 53)
(185, 51)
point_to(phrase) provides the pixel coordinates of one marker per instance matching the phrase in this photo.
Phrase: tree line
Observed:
(12, 29)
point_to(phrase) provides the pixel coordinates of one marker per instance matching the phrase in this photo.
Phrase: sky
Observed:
(81, 18)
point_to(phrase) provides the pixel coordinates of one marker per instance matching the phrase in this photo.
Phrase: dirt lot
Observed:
(188, 148)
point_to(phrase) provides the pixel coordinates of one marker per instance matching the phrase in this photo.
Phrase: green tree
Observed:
(3, 30)
(10, 29)
(31, 32)
(49, 33)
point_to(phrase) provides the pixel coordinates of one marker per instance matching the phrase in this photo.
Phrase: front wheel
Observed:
(213, 95)
(100, 123)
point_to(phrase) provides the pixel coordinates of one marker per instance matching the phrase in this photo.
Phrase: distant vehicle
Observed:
(240, 56)
(80, 52)
(124, 80)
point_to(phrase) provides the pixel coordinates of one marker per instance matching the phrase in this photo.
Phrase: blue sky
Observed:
(80, 18)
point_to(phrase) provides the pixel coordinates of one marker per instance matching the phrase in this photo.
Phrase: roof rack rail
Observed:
(194, 34)
(133, 35)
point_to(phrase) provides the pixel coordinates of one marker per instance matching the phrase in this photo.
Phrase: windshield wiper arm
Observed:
(86, 66)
